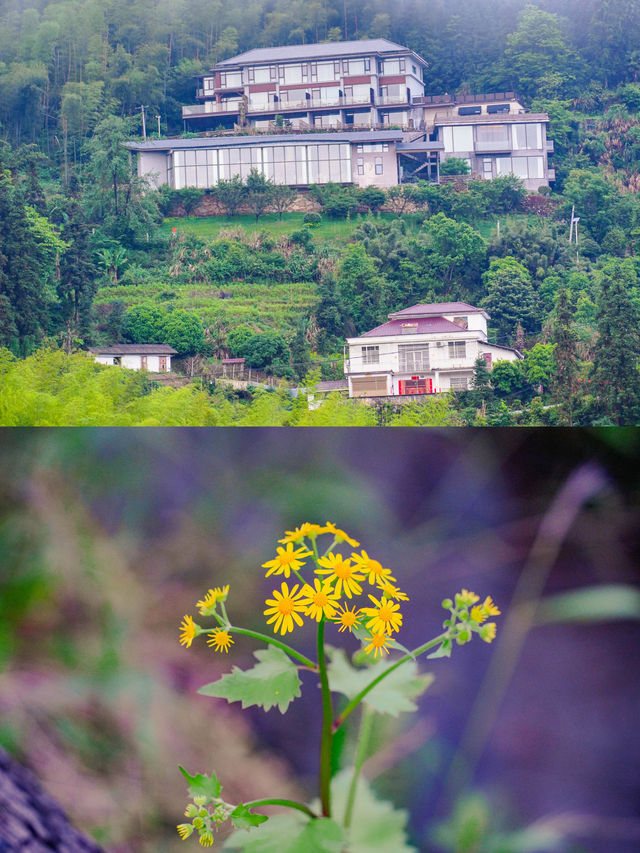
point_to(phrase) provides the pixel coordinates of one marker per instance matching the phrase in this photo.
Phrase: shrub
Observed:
(312, 219)
(455, 166)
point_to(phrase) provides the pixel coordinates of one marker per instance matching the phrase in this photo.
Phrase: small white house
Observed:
(156, 358)
(424, 349)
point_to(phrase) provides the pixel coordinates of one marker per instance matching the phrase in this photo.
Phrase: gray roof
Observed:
(426, 326)
(291, 52)
(134, 349)
(434, 309)
(358, 136)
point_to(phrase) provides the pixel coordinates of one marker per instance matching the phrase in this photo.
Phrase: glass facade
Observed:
(293, 164)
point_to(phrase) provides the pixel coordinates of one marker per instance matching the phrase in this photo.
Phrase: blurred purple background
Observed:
(108, 537)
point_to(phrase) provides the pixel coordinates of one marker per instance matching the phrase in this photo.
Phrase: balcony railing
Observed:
(495, 146)
(219, 107)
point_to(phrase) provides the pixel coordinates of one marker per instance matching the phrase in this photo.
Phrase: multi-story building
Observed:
(424, 349)
(370, 83)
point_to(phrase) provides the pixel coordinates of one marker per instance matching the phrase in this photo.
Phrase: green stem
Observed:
(366, 724)
(272, 641)
(327, 716)
(411, 656)
(290, 804)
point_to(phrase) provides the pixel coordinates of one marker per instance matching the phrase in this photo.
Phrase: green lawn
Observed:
(329, 230)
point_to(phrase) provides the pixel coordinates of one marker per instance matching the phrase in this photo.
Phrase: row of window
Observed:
(379, 166)
(511, 136)
(295, 165)
(412, 357)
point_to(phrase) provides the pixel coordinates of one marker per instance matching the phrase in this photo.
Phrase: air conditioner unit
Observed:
(439, 343)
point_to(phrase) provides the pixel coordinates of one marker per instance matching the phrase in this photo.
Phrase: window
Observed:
(314, 71)
(252, 75)
(414, 69)
(457, 349)
(273, 72)
(379, 166)
(281, 72)
(305, 72)
(402, 65)
(458, 383)
(463, 138)
(208, 84)
(498, 108)
(409, 329)
(367, 65)
(371, 355)
(469, 111)
(360, 164)
(385, 146)
(348, 91)
(463, 322)
(336, 69)
(345, 66)
(413, 357)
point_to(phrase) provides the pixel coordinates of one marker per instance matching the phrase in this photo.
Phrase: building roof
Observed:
(134, 349)
(332, 49)
(426, 326)
(435, 309)
(358, 136)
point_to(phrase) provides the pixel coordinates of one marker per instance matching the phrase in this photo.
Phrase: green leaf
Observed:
(592, 604)
(273, 681)
(392, 696)
(443, 650)
(291, 834)
(376, 825)
(200, 784)
(244, 819)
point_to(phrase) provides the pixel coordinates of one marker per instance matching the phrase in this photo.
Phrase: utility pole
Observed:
(573, 230)
(158, 118)
(144, 124)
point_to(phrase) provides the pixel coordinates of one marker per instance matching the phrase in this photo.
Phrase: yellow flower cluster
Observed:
(219, 638)
(467, 616)
(336, 576)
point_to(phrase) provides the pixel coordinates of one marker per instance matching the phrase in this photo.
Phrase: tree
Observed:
(260, 349)
(372, 197)
(539, 365)
(258, 193)
(183, 331)
(617, 351)
(455, 250)
(282, 197)
(120, 203)
(565, 356)
(455, 166)
(77, 280)
(510, 298)
(28, 248)
(361, 289)
(230, 194)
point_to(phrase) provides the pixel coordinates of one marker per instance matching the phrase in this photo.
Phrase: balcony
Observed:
(220, 107)
(495, 146)
(391, 100)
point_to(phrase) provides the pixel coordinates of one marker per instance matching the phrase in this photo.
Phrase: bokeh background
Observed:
(108, 537)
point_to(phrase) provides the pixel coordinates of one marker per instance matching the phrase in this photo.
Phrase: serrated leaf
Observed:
(376, 825)
(272, 681)
(244, 819)
(392, 696)
(202, 785)
(291, 834)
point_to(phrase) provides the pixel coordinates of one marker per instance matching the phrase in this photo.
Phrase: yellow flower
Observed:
(208, 604)
(184, 830)
(220, 640)
(297, 535)
(488, 632)
(320, 601)
(206, 839)
(289, 559)
(342, 572)
(285, 607)
(378, 644)
(340, 535)
(482, 611)
(372, 567)
(347, 619)
(189, 630)
(385, 616)
(466, 598)
(392, 591)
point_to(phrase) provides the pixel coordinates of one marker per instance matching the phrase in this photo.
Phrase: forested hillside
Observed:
(86, 259)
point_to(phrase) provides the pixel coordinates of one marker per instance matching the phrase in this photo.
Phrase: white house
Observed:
(156, 358)
(424, 349)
